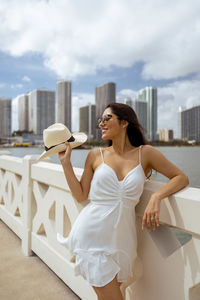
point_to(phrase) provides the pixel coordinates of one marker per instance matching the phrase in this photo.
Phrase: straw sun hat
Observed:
(56, 135)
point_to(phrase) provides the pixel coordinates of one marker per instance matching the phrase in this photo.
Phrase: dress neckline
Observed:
(103, 163)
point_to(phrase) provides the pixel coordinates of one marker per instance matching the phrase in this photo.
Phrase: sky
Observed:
(134, 43)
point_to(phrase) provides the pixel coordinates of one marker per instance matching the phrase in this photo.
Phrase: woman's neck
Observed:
(121, 144)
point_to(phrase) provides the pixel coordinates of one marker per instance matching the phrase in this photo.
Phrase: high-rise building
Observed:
(41, 110)
(23, 112)
(5, 117)
(149, 94)
(190, 123)
(104, 95)
(140, 108)
(87, 120)
(179, 122)
(64, 99)
(165, 135)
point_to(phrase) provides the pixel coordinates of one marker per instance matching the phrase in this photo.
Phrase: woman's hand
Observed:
(64, 156)
(151, 213)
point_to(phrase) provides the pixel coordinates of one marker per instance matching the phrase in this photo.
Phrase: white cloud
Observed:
(80, 37)
(126, 93)
(26, 79)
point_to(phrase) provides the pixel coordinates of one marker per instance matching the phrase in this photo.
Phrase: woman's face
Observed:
(109, 125)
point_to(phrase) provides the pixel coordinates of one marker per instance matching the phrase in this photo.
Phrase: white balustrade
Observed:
(11, 193)
(36, 203)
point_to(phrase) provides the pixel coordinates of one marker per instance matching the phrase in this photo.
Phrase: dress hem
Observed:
(101, 285)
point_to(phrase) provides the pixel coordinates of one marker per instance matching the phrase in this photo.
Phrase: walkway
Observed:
(27, 278)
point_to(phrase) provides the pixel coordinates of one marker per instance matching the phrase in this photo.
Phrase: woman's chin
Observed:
(105, 137)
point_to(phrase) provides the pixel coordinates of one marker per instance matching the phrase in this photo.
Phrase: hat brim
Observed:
(80, 138)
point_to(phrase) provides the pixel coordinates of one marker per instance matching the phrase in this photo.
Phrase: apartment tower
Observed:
(64, 99)
(140, 108)
(190, 123)
(23, 112)
(41, 110)
(104, 95)
(5, 117)
(87, 120)
(149, 94)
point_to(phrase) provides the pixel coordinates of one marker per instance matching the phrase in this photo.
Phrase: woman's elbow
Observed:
(185, 180)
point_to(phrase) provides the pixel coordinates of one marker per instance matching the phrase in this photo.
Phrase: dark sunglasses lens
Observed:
(107, 117)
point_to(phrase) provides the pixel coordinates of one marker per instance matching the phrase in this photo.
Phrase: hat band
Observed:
(71, 139)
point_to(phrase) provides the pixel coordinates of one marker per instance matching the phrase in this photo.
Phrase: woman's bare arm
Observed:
(178, 180)
(161, 164)
(79, 189)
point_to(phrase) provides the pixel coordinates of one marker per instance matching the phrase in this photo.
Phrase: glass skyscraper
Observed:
(149, 94)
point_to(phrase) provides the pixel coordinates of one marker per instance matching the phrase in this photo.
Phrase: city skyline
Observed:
(138, 44)
(90, 99)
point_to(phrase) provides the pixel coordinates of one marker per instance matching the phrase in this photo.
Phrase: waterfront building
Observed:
(149, 94)
(104, 95)
(64, 99)
(189, 122)
(140, 108)
(41, 110)
(165, 135)
(5, 117)
(23, 112)
(179, 122)
(87, 120)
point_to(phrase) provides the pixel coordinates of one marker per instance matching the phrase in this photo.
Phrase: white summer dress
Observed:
(103, 237)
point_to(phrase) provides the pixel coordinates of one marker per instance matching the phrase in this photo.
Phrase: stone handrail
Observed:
(36, 203)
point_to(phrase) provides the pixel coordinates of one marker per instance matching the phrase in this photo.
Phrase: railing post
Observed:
(28, 203)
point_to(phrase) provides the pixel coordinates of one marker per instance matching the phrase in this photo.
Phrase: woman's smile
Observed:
(103, 130)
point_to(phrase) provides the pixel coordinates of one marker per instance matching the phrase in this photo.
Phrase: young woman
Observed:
(103, 237)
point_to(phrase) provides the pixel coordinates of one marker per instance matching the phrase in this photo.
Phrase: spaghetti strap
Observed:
(101, 155)
(140, 154)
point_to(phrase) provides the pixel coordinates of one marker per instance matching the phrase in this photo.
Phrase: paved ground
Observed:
(26, 278)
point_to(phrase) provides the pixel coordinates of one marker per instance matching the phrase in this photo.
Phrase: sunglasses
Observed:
(105, 118)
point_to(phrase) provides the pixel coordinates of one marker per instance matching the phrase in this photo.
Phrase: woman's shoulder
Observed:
(148, 148)
(149, 152)
(93, 153)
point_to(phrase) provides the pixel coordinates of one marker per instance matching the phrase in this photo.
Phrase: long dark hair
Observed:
(134, 130)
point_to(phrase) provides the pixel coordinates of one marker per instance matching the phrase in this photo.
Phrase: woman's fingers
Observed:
(151, 220)
(157, 219)
(65, 155)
